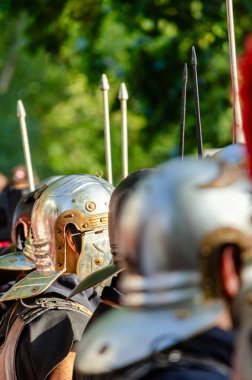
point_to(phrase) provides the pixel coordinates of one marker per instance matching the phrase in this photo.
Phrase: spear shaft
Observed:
(183, 113)
(123, 97)
(105, 89)
(196, 102)
(21, 114)
(238, 136)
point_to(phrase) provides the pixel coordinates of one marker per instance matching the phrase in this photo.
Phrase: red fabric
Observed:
(4, 244)
(245, 66)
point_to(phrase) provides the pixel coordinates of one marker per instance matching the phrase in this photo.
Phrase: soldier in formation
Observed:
(110, 295)
(181, 238)
(183, 233)
(69, 223)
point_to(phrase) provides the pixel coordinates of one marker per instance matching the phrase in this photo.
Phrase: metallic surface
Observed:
(21, 222)
(22, 218)
(172, 229)
(111, 346)
(31, 285)
(15, 261)
(62, 203)
(188, 202)
(95, 253)
(235, 154)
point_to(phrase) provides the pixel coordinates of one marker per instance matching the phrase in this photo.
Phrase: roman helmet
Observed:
(22, 215)
(118, 198)
(172, 230)
(74, 203)
(21, 222)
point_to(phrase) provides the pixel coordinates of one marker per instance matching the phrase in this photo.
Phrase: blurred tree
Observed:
(54, 52)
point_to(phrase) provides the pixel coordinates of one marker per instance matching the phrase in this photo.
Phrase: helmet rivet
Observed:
(84, 225)
(60, 264)
(206, 251)
(35, 289)
(99, 261)
(103, 349)
(90, 206)
(174, 356)
(102, 220)
(74, 200)
(183, 314)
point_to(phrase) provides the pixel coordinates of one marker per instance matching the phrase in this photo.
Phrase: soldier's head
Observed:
(21, 220)
(12, 256)
(3, 181)
(12, 261)
(19, 178)
(117, 201)
(173, 231)
(69, 226)
(189, 216)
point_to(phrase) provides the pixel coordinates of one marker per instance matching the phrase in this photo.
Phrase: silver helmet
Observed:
(79, 202)
(21, 222)
(235, 154)
(171, 231)
(118, 198)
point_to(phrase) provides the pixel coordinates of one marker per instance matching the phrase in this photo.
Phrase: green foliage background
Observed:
(52, 55)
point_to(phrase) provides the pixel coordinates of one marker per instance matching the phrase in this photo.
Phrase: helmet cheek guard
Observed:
(93, 230)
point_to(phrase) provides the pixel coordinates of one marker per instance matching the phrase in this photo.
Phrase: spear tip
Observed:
(20, 109)
(104, 86)
(123, 93)
(194, 57)
(185, 73)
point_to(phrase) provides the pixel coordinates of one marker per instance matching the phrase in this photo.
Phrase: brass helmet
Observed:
(78, 203)
(117, 201)
(171, 231)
